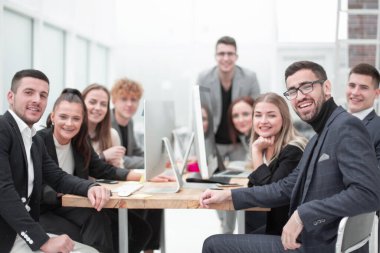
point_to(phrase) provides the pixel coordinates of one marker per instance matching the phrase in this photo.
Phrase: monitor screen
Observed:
(158, 123)
(205, 147)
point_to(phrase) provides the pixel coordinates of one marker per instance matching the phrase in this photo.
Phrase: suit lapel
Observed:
(369, 117)
(302, 168)
(37, 165)
(236, 84)
(317, 150)
(50, 146)
(130, 133)
(313, 162)
(215, 93)
(16, 130)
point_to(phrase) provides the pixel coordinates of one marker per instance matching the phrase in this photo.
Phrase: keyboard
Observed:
(127, 189)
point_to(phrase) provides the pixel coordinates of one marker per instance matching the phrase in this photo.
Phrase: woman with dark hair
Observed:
(67, 142)
(239, 117)
(104, 139)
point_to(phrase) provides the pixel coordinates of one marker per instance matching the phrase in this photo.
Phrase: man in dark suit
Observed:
(24, 163)
(227, 82)
(361, 92)
(337, 176)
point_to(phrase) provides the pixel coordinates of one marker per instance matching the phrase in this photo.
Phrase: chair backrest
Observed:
(354, 232)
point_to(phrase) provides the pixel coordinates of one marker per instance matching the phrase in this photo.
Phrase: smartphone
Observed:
(106, 181)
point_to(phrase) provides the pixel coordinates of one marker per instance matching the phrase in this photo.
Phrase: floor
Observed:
(185, 230)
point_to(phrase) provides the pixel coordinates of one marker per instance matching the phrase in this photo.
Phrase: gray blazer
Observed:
(244, 83)
(372, 123)
(341, 180)
(134, 158)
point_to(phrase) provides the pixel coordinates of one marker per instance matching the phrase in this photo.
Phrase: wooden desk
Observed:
(186, 198)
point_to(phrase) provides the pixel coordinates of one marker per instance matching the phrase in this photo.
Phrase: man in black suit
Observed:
(361, 92)
(24, 163)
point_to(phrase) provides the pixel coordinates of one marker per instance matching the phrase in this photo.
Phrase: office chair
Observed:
(356, 231)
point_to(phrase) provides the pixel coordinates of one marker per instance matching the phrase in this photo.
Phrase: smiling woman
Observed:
(67, 142)
(104, 139)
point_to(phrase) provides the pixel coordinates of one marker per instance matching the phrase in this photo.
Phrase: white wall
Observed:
(165, 44)
(69, 40)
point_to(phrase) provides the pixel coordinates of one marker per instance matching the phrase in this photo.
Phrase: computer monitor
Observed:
(158, 124)
(205, 147)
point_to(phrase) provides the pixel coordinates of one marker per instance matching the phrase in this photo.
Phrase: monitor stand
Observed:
(177, 172)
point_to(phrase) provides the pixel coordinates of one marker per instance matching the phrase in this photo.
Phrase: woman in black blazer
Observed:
(276, 149)
(67, 142)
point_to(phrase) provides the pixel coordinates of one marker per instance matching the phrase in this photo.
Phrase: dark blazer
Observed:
(372, 123)
(97, 168)
(279, 168)
(134, 158)
(14, 218)
(341, 180)
(244, 83)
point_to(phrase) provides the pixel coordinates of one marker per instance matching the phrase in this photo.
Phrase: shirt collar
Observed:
(362, 114)
(21, 124)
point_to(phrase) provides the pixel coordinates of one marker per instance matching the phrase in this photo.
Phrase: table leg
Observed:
(123, 230)
(241, 222)
(162, 233)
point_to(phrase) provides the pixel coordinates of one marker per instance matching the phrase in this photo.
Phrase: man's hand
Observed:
(214, 197)
(291, 231)
(61, 243)
(98, 196)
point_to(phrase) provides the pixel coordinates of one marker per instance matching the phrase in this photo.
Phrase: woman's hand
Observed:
(114, 153)
(262, 143)
(258, 147)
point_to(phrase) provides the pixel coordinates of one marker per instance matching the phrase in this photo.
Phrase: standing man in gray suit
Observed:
(337, 176)
(361, 92)
(227, 82)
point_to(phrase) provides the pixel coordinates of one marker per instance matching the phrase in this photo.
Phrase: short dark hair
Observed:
(27, 73)
(368, 70)
(314, 67)
(227, 40)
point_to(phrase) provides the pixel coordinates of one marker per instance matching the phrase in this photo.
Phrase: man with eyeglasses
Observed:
(227, 82)
(337, 176)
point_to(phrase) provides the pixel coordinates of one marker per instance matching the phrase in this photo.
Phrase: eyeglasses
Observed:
(304, 88)
(222, 54)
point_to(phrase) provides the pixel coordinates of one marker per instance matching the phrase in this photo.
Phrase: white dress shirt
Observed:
(362, 114)
(27, 134)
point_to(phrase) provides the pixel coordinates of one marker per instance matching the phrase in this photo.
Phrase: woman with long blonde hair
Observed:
(276, 149)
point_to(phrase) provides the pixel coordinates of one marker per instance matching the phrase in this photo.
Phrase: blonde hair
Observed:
(288, 135)
(125, 86)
